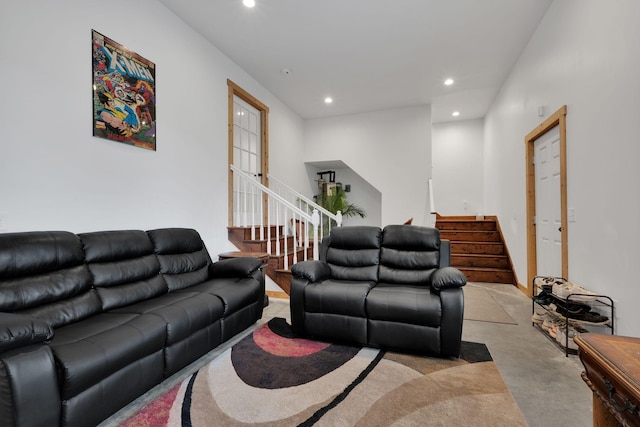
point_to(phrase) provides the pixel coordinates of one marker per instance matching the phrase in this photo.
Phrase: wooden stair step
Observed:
(484, 248)
(467, 225)
(479, 260)
(283, 279)
(489, 275)
(470, 236)
(477, 248)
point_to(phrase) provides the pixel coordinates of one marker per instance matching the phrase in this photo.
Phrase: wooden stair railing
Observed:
(477, 248)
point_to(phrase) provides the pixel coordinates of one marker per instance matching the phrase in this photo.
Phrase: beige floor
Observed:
(546, 385)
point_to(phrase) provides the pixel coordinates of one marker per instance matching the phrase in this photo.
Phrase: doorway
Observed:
(248, 138)
(546, 159)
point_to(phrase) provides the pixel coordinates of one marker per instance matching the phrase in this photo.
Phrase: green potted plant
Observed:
(336, 200)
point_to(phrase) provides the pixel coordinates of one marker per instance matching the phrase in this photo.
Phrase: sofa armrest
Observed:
(29, 392)
(447, 278)
(313, 271)
(235, 267)
(17, 331)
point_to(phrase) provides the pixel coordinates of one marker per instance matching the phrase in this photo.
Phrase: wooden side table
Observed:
(612, 372)
(262, 256)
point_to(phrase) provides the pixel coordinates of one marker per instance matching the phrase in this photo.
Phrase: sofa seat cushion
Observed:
(88, 351)
(184, 313)
(337, 297)
(235, 293)
(415, 305)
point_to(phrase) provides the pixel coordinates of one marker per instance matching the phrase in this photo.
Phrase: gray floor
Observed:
(546, 385)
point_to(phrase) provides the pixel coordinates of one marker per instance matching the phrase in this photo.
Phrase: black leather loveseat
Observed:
(390, 288)
(89, 322)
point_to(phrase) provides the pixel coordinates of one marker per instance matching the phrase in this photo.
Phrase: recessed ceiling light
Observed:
(455, 113)
(328, 100)
(448, 82)
(249, 3)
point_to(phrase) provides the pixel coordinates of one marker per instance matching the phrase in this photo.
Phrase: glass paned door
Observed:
(246, 157)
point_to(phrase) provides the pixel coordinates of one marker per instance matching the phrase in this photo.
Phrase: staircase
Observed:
(477, 248)
(241, 238)
(276, 224)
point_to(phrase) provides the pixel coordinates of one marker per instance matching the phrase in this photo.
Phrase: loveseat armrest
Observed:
(447, 278)
(302, 274)
(235, 267)
(313, 271)
(17, 331)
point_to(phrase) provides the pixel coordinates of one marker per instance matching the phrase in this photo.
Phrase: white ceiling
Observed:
(371, 54)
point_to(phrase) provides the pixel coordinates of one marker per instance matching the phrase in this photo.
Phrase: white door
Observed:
(246, 157)
(548, 211)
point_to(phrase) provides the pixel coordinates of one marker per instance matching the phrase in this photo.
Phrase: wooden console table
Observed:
(262, 256)
(612, 371)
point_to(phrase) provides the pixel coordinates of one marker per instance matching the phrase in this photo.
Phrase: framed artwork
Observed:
(124, 94)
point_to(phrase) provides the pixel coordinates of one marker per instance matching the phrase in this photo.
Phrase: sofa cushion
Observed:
(192, 321)
(338, 297)
(409, 254)
(416, 305)
(124, 267)
(184, 313)
(353, 253)
(235, 293)
(184, 260)
(89, 351)
(43, 274)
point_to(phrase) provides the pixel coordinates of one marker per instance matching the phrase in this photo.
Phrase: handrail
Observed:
(249, 205)
(303, 202)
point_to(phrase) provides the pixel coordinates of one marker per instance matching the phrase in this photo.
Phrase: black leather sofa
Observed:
(390, 288)
(89, 322)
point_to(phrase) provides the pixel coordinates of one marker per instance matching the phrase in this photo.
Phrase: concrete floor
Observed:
(544, 382)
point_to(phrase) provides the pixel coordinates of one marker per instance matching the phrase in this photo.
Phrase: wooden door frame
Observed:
(235, 90)
(559, 118)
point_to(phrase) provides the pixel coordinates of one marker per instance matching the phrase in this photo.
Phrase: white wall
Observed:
(584, 54)
(458, 159)
(362, 194)
(390, 149)
(55, 175)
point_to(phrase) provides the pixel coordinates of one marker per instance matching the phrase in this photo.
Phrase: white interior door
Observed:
(246, 157)
(548, 211)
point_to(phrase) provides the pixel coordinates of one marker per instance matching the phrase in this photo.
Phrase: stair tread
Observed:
(478, 255)
(484, 269)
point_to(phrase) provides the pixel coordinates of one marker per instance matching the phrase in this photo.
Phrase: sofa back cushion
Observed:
(124, 267)
(409, 254)
(43, 274)
(184, 260)
(353, 253)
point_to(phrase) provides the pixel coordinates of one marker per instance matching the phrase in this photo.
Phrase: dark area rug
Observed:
(271, 378)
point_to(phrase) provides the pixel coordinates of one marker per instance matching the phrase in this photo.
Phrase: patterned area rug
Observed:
(271, 378)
